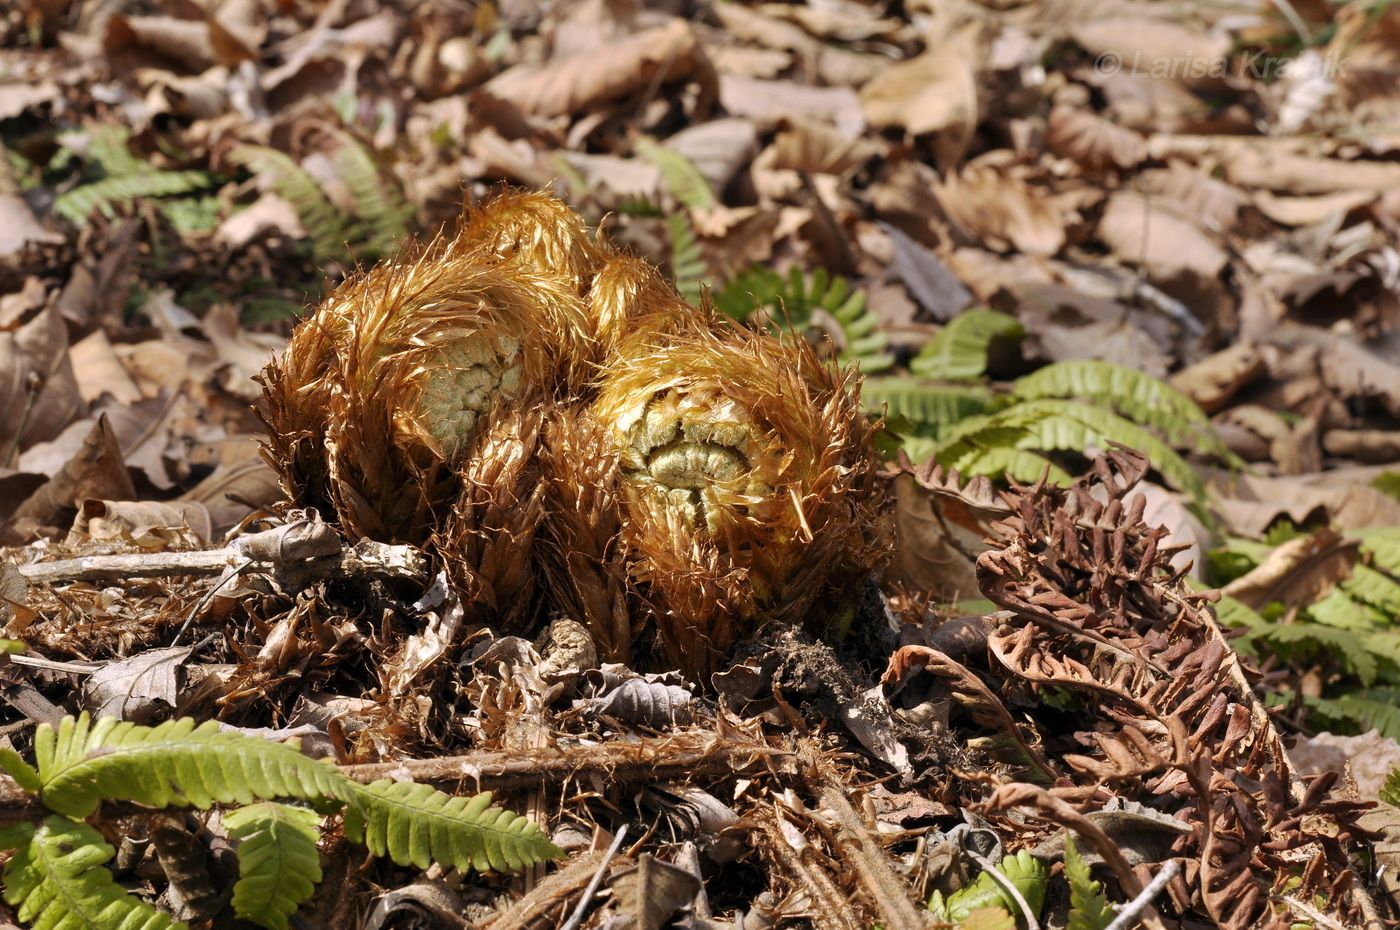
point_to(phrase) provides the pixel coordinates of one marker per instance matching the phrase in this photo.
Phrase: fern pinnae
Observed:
(175, 763)
(416, 824)
(56, 881)
(278, 861)
(1088, 906)
(960, 351)
(291, 182)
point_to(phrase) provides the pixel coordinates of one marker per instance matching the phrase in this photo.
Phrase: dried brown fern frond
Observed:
(487, 543)
(749, 477)
(296, 395)
(583, 559)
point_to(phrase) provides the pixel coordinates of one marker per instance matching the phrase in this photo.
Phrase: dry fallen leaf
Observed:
(934, 93)
(1093, 142)
(636, 64)
(999, 209)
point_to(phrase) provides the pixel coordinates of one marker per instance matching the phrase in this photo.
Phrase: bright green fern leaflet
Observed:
(123, 178)
(1088, 907)
(279, 866)
(1025, 872)
(175, 763)
(1133, 394)
(1390, 793)
(961, 349)
(821, 302)
(416, 825)
(56, 880)
(379, 202)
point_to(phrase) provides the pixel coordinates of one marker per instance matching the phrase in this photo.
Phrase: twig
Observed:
(365, 559)
(576, 917)
(869, 861)
(1007, 886)
(1134, 909)
(654, 759)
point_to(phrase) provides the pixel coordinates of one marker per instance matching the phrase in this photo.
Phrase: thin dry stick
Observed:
(576, 917)
(890, 895)
(653, 759)
(365, 559)
(1133, 911)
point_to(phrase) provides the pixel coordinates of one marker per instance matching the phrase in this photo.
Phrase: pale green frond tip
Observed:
(22, 772)
(173, 764)
(279, 865)
(416, 825)
(960, 351)
(57, 880)
(1088, 907)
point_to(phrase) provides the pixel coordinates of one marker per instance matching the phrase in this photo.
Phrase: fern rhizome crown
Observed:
(567, 435)
(281, 801)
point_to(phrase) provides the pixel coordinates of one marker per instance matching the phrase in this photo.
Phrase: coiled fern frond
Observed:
(748, 472)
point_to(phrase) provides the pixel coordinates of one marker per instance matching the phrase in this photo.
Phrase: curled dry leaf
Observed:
(1093, 142)
(634, 65)
(934, 93)
(996, 207)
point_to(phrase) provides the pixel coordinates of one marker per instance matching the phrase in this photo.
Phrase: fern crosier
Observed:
(749, 480)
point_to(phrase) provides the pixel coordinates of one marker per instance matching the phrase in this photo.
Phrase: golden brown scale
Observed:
(522, 381)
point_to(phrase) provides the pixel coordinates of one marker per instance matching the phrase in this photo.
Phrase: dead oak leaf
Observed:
(1092, 142)
(998, 208)
(666, 54)
(1143, 232)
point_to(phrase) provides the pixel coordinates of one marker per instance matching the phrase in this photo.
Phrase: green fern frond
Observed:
(107, 149)
(379, 203)
(1028, 874)
(1338, 609)
(688, 268)
(959, 352)
(324, 224)
(77, 205)
(56, 881)
(1025, 467)
(1071, 426)
(192, 215)
(1233, 613)
(923, 402)
(24, 774)
(794, 303)
(279, 866)
(1374, 588)
(1364, 709)
(682, 178)
(1382, 546)
(1134, 394)
(175, 763)
(416, 825)
(1088, 906)
(1390, 794)
(1307, 639)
